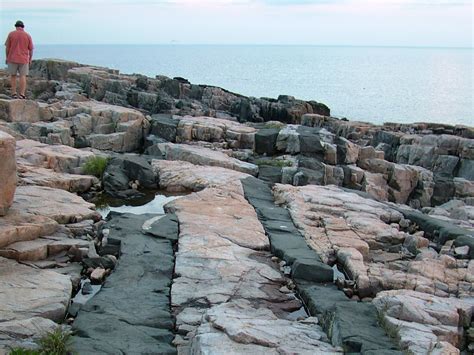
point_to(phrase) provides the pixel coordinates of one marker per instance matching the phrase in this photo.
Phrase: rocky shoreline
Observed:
(293, 232)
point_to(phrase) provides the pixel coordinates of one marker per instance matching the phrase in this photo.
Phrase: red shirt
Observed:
(19, 47)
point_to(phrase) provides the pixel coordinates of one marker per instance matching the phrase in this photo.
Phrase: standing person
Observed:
(19, 50)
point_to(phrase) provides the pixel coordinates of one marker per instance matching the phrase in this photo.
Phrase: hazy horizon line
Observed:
(256, 44)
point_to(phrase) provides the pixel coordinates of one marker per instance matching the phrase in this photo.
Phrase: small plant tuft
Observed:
(57, 342)
(95, 166)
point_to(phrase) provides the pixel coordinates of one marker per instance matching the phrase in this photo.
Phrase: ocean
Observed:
(374, 84)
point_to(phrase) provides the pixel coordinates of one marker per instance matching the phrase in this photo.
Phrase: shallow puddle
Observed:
(152, 202)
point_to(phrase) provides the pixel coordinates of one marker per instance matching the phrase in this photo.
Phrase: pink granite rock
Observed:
(8, 176)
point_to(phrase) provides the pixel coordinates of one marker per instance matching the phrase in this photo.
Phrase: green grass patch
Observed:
(95, 166)
(57, 342)
(274, 162)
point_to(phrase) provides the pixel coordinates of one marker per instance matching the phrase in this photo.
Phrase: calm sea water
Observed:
(375, 84)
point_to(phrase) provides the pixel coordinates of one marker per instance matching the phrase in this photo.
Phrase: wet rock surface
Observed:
(131, 314)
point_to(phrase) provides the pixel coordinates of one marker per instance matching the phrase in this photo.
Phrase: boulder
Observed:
(369, 152)
(353, 176)
(466, 169)
(19, 111)
(445, 165)
(443, 191)
(8, 175)
(463, 188)
(288, 140)
(120, 171)
(164, 126)
(270, 174)
(375, 185)
(347, 152)
(265, 141)
(28, 250)
(310, 141)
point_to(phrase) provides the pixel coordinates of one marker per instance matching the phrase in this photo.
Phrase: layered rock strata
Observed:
(76, 124)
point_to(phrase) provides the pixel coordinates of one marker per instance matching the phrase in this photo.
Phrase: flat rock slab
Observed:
(19, 225)
(41, 248)
(59, 205)
(183, 176)
(205, 156)
(30, 175)
(237, 327)
(222, 213)
(60, 158)
(26, 292)
(131, 313)
(30, 250)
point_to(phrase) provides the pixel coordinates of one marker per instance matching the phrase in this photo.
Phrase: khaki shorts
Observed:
(14, 68)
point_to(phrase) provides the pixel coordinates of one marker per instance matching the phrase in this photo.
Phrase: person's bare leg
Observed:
(13, 84)
(22, 85)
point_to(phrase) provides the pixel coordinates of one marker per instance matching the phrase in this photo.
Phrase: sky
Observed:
(427, 23)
